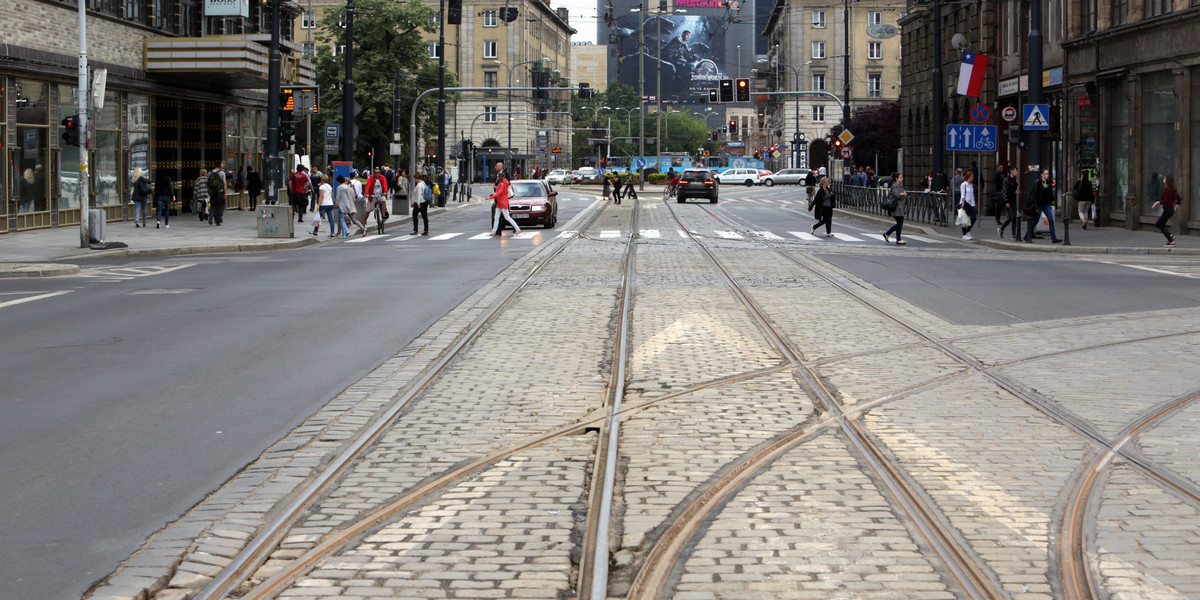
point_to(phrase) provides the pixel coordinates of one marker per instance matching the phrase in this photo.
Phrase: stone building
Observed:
(183, 91)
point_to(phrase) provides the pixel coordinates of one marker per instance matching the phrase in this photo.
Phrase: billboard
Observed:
(687, 48)
(226, 8)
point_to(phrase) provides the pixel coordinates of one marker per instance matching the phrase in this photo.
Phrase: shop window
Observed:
(1158, 136)
(67, 183)
(32, 102)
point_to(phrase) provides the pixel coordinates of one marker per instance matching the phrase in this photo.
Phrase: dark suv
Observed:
(697, 183)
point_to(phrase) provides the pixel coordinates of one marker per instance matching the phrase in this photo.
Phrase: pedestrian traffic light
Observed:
(726, 89)
(712, 96)
(714, 136)
(733, 127)
(286, 136)
(70, 134)
(743, 90)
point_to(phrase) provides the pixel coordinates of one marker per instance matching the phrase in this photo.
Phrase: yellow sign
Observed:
(845, 136)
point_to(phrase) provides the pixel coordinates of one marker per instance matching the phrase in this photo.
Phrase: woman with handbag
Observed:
(140, 195)
(823, 202)
(899, 198)
(966, 205)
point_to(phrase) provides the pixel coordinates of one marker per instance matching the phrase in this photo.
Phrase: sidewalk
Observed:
(48, 252)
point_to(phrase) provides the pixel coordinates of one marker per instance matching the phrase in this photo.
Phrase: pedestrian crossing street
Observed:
(652, 234)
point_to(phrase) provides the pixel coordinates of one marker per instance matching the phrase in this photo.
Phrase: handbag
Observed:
(964, 219)
(888, 203)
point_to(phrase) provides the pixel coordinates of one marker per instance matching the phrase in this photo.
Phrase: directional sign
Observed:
(980, 113)
(639, 163)
(1037, 117)
(847, 152)
(1009, 113)
(975, 138)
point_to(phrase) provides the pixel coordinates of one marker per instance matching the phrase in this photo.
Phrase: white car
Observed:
(740, 176)
(560, 177)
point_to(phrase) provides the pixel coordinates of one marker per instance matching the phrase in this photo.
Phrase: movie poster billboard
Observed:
(688, 51)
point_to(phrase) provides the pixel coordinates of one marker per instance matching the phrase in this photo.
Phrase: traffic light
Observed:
(466, 149)
(597, 129)
(541, 81)
(726, 89)
(70, 135)
(714, 136)
(286, 136)
(585, 91)
(712, 96)
(743, 90)
(454, 12)
(541, 113)
(733, 127)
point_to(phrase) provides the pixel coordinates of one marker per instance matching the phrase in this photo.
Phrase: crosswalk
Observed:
(655, 234)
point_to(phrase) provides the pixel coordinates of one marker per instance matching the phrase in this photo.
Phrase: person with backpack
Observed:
(216, 195)
(200, 194)
(421, 197)
(139, 195)
(298, 187)
(1041, 197)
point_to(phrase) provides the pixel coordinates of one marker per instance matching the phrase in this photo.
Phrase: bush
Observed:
(657, 178)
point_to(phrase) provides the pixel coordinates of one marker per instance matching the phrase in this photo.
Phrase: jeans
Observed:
(824, 217)
(327, 214)
(343, 223)
(1047, 210)
(162, 209)
(216, 208)
(139, 212)
(897, 227)
(1011, 220)
(1161, 223)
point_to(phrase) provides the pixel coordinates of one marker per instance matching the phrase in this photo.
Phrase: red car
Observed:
(530, 202)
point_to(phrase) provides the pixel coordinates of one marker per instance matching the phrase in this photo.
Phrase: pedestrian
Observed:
(870, 177)
(253, 185)
(216, 195)
(1009, 198)
(1042, 197)
(501, 198)
(901, 196)
(956, 186)
(998, 190)
(326, 209)
(928, 181)
(140, 194)
(810, 185)
(1085, 197)
(617, 183)
(421, 197)
(345, 204)
(1169, 200)
(314, 178)
(377, 190)
(164, 196)
(630, 192)
(967, 204)
(822, 207)
(299, 185)
(200, 195)
(607, 187)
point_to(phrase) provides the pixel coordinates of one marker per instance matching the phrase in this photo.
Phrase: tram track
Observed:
(669, 548)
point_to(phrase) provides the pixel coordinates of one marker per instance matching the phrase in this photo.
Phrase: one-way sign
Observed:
(974, 138)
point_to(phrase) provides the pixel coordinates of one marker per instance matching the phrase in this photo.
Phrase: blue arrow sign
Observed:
(973, 138)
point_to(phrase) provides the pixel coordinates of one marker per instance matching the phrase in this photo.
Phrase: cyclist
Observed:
(376, 194)
(673, 187)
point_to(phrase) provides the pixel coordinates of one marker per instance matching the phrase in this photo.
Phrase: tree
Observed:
(387, 37)
(876, 130)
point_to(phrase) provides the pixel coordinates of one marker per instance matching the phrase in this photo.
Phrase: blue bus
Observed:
(680, 161)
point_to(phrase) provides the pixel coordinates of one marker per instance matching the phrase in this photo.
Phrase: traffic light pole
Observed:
(273, 170)
(348, 88)
(84, 179)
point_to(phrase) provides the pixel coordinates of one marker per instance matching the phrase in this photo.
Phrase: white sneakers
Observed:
(968, 238)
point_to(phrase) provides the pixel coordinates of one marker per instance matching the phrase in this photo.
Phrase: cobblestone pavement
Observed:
(962, 413)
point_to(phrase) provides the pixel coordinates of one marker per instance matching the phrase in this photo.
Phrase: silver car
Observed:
(560, 177)
(793, 176)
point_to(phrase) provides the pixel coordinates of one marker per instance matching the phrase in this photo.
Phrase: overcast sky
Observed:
(583, 18)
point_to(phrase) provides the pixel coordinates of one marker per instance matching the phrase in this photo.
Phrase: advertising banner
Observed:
(685, 47)
(226, 8)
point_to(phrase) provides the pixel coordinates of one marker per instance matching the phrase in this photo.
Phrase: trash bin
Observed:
(96, 225)
(400, 204)
(276, 221)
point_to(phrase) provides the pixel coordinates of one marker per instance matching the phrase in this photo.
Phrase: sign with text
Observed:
(226, 8)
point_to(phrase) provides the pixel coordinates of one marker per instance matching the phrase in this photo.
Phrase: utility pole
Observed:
(642, 91)
(1034, 140)
(274, 168)
(441, 141)
(846, 70)
(348, 88)
(939, 127)
(84, 179)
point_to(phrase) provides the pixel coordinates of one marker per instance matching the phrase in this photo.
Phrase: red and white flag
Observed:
(971, 72)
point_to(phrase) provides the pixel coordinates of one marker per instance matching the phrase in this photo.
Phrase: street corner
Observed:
(20, 270)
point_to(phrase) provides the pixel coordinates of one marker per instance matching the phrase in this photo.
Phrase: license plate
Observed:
(520, 216)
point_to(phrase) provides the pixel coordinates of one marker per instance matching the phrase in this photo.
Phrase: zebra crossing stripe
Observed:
(650, 233)
(683, 234)
(846, 237)
(564, 234)
(482, 236)
(367, 238)
(444, 236)
(610, 233)
(766, 235)
(921, 238)
(804, 235)
(730, 235)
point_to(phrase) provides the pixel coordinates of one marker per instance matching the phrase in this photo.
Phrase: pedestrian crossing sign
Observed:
(1036, 117)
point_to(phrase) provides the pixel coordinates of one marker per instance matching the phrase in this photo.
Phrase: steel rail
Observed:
(257, 550)
(652, 579)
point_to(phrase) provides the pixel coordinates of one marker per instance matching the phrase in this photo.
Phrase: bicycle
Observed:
(379, 218)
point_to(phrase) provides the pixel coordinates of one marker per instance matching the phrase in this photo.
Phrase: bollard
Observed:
(1066, 228)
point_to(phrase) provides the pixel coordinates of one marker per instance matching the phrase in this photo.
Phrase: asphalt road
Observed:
(145, 385)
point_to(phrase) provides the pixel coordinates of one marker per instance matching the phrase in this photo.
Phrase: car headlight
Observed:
(537, 208)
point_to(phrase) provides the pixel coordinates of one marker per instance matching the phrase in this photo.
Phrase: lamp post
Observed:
(510, 84)
(796, 73)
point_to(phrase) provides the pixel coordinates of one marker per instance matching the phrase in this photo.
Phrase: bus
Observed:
(681, 160)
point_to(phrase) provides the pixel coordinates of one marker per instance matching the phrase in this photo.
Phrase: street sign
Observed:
(846, 136)
(974, 138)
(1037, 117)
(639, 164)
(333, 130)
(847, 152)
(1009, 113)
(333, 137)
(980, 113)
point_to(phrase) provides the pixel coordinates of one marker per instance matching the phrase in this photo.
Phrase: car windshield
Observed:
(696, 175)
(524, 190)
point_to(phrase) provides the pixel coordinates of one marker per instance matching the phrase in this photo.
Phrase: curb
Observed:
(22, 270)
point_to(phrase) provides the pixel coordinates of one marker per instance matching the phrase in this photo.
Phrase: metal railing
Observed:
(930, 208)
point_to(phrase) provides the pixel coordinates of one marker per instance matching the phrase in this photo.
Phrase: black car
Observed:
(697, 183)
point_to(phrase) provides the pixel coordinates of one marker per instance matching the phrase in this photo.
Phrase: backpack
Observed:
(214, 182)
(427, 195)
(143, 187)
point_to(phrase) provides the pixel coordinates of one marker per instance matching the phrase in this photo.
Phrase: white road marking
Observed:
(610, 233)
(367, 238)
(846, 237)
(804, 235)
(650, 233)
(730, 235)
(921, 238)
(33, 298)
(444, 236)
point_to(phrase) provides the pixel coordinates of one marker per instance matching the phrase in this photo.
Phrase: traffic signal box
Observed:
(726, 90)
(733, 127)
(742, 90)
(70, 134)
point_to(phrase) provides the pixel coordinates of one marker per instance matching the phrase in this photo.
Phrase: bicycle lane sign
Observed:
(973, 138)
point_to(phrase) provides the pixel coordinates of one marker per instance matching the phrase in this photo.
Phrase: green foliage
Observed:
(876, 132)
(387, 37)
(681, 132)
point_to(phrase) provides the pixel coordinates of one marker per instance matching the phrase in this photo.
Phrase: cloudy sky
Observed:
(583, 18)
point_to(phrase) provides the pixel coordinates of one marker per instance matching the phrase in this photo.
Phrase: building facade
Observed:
(810, 44)
(167, 105)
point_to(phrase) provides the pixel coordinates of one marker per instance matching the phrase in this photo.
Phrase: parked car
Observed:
(530, 202)
(746, 177)
(793, 176)
(560, 177)
(697, 183)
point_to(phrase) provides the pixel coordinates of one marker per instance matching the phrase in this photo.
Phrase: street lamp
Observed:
(796, 73)
(510, 84)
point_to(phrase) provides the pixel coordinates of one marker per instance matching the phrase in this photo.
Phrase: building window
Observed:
(491, 80)
(489, 114)
(818, 113)
(1120, 12)
(1087, 15)
(489, 18)
(434, 50)
(1159, 117)
(875, 50)
(874, 17)
(310, 48)
(818, 19)
(818, 82)
(1158, 7)
(489, 49)
(308, 21)
(339, 49)
(875, 85)
(818, 49)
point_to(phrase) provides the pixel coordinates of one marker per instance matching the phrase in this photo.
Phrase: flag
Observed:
(971, 72)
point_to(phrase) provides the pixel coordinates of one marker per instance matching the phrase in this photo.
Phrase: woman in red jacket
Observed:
(501, 197)
(1170, 199)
